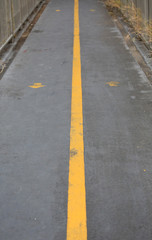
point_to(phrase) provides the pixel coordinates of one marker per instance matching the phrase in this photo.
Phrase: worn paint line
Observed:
(76, 217)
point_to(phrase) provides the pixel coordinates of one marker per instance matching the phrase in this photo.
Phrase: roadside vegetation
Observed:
(142, 28)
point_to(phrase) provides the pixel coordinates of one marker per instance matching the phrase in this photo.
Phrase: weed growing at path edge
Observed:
(142, 28)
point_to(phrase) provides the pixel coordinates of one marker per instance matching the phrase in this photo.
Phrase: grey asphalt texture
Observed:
(35, 131)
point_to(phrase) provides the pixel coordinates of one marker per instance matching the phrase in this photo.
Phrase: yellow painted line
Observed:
(58, 10)
(37, 85)
(76, 216)
(92, 10)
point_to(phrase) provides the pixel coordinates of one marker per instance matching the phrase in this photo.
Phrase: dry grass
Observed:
(113, 3)
(142, 28)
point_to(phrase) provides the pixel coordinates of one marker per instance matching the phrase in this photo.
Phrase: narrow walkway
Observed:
(38, 189)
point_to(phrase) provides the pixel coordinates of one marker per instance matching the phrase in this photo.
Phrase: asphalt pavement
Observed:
(35, 122)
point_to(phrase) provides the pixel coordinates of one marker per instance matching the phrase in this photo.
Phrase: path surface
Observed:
(36, 184)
